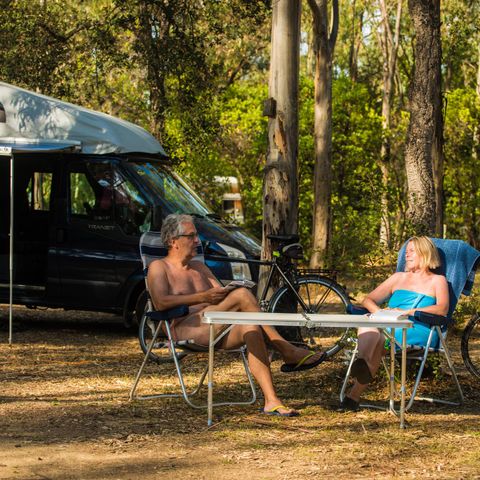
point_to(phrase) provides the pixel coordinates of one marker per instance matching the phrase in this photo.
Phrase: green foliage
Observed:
(356, 177)
(462, 165)
(195, 74)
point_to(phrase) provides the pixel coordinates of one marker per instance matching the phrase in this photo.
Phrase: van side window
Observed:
(131, 210)
(38, 191)
(91, 192)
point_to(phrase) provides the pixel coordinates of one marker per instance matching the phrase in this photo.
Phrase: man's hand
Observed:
(215, 295)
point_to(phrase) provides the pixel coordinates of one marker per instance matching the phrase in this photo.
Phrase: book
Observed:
(386, 314)
(240, 283)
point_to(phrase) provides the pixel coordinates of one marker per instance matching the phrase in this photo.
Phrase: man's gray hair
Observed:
(173, 227)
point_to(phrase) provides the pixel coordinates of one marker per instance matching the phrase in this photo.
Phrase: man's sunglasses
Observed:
(188, 235)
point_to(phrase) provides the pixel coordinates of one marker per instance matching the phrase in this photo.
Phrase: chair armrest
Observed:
(356, 310)
(432, 319)
(169, 314)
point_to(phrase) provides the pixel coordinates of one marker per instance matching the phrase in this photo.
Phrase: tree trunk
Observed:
(280, 193)
(389, 43)
(152, 32)
(324, 44)
(424, 95)
(355, 41)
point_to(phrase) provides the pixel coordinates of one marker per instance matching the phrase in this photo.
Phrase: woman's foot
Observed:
(349, 405)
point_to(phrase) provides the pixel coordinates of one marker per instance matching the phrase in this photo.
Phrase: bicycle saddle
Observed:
(293, 250)
(292, 238)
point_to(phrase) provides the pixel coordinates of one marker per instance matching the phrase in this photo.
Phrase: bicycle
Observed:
(470, 345)
(301, 291)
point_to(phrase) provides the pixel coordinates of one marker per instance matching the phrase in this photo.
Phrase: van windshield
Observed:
(178, 196)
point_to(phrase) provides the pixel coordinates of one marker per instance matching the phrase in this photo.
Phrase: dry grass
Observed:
(65, 414)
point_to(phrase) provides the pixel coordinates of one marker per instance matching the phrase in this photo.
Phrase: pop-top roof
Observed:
(33, 120)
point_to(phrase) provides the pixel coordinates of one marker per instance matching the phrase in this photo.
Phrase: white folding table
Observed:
(313, 320)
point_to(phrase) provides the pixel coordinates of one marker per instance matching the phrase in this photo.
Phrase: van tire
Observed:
(139, 308)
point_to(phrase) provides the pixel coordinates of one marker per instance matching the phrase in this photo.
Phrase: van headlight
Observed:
(239, 270)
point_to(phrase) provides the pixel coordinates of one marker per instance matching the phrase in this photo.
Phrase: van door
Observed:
(86, 240)
(98, 244)
(35, 185)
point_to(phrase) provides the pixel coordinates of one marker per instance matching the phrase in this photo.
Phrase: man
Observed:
(178, 280)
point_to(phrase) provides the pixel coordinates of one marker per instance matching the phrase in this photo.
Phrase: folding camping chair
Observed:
(150, 249)
(459, 261)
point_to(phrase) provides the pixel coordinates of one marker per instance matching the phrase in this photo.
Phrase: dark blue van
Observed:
(78, 216)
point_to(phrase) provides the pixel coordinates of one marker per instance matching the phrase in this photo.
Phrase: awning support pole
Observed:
(10, 263)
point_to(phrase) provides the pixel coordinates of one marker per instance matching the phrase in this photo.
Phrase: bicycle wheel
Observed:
(160, 352)
(320, 295)
(471, 345)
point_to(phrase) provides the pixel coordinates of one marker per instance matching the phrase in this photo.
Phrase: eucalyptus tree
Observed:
(323, 42)
(424, 140)
(280, 193)
(389, 37)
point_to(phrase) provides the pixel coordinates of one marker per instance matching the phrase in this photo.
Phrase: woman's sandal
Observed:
(349, 405)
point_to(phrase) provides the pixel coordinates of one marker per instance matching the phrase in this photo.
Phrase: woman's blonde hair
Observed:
(427, 252)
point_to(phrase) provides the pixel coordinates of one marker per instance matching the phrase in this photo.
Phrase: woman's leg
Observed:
(371, 349)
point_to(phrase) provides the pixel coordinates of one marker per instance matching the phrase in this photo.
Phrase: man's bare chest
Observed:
(184, 282)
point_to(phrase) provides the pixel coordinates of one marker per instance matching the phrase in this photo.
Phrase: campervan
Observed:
(78, 189)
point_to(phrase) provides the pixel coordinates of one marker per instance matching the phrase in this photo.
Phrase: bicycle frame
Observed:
(273, 267)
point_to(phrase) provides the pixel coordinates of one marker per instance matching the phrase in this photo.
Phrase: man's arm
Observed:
(159, 291)
(201, 267)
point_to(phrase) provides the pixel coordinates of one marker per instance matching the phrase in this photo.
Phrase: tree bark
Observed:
(280, 192)
(355, 41)
(323, 44)
(389, 43)
(423, 130)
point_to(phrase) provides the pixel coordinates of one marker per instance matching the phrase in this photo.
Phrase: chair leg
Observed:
(451, 366)
(184, 392)
(347, 375)
(145, 359)
(446, 353)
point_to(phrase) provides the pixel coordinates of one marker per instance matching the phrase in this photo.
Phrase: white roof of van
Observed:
(36, 119)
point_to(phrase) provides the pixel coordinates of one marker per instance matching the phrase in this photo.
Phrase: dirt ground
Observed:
(65, 414)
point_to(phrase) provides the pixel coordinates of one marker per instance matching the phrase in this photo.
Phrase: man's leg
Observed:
(242, 300)
(252, 336)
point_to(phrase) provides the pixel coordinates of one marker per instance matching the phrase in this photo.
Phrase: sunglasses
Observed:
(188, 235)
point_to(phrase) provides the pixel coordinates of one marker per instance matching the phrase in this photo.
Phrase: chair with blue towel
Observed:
(458, 263)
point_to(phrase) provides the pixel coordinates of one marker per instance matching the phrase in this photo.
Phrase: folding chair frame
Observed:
(178, 350)
(151, 248)
(423, 359)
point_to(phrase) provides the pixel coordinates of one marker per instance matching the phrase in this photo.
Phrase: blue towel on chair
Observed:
(459, 261)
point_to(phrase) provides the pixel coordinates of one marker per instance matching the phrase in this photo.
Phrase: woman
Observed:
(416, 289)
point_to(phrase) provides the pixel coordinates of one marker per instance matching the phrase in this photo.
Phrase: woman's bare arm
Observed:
(376, 297)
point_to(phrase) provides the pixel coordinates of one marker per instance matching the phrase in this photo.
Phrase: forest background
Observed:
(195, 74)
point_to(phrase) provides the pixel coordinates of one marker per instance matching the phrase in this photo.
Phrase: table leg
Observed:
(211, 351)
(392, 370)
(404, 376)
